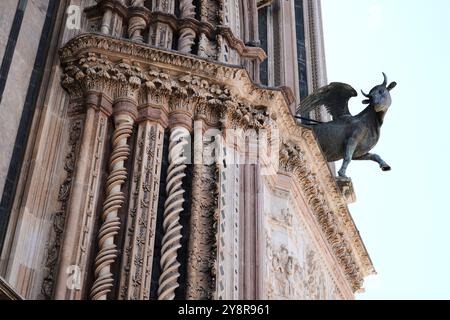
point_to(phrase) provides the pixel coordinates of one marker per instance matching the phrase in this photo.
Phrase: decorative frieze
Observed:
(290, 278)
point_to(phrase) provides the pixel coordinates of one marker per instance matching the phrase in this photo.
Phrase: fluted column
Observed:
(110, 222)
(187, 35)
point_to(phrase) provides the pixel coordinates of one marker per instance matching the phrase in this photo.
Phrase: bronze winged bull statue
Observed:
(349, 137)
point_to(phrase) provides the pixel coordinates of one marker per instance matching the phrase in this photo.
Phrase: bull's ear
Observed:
(367, 101)
(391, 86)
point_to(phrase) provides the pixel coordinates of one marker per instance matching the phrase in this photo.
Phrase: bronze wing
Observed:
(334, 97)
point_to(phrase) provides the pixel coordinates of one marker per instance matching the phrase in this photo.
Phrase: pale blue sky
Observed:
(403, 215)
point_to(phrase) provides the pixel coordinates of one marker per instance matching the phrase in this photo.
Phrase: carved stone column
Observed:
(110, 225)
(138, 20)
(180, 123)
(138, 252)
(161, 33)
(172, 209)
(187, 35)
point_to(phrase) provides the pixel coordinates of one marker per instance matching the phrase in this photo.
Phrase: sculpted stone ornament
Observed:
(349, 137)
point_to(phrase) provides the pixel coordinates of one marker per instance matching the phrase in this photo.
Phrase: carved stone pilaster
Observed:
(161, 33)
(81, 205)
(202, 247)
(137, 259)
(59, 217)
(209, 11)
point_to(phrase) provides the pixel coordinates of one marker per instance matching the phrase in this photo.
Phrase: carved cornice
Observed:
(218, 91)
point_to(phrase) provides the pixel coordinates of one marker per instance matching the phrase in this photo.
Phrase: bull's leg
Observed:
(352, 143)
(374, 157)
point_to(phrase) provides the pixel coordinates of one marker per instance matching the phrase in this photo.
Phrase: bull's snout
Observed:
(381, 108)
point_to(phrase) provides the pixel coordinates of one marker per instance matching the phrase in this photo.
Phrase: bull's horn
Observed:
(385, 80)
(365, 94)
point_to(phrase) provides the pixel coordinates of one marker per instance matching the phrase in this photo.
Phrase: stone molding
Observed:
(7, 292)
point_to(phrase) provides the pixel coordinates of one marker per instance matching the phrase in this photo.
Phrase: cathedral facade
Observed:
(150, 151)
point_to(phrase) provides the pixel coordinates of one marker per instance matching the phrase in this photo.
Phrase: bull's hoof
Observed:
(386, 168)
(342, 175)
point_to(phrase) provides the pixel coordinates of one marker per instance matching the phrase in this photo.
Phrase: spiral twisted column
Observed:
(114, 200)
(168, 280)
(137, 20)
(186, 40)
(187, 35)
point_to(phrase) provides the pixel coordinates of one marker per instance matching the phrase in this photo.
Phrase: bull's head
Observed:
(379, 97)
